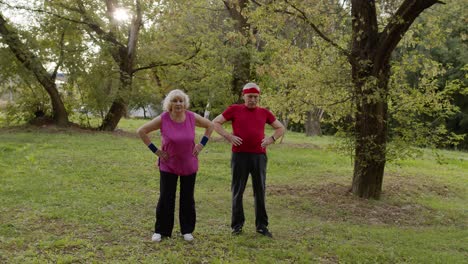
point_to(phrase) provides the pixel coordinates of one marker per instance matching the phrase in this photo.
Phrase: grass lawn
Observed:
(74, 196)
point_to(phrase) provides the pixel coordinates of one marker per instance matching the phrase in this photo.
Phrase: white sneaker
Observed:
(156, 237)
(188, 237)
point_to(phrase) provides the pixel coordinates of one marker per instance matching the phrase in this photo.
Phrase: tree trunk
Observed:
(312, 124)
(124, 56)
(112, 118)
(118, 108)
(60, 114)
(370, 61)
(285, 122)
(371, 138)
(32, 63)
(241, 73)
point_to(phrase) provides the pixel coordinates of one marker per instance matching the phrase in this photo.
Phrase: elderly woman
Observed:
(177, 159)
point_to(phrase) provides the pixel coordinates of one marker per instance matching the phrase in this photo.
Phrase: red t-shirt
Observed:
(249, 124)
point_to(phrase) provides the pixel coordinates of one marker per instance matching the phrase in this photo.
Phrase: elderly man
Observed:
(249, 154)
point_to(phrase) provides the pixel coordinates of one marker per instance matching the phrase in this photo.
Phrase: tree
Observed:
(27, 99)
(119, 40)
(124, 54)
(370, 61)
(423, 91)
(369, 55)
(30, 61)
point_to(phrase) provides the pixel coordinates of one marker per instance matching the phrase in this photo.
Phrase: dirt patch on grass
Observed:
(45, 127)
(334, 202)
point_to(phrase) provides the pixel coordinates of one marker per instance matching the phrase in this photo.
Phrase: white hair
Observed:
(251, 85)
(173, 94)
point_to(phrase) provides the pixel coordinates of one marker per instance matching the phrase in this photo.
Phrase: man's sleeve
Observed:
(270, 117)
(228, 113)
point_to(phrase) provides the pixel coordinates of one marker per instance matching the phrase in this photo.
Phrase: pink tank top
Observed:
(178, 140)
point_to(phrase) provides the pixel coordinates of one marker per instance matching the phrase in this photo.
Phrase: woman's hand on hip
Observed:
(162, 154)
(197, 149)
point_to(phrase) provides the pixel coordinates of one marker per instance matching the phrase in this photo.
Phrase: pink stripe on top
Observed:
(178, 140)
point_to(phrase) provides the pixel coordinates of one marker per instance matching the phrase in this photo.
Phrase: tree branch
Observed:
(69, 8)
(27, 58)
(107, 36)
(134, 32)
(255, 2)
(61, 55)
(399, 25)
(88, 22)
(306, 19)
(158, 64)
(110, 4)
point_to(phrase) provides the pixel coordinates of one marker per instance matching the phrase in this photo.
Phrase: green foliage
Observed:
(301, 72)
(183, 26)
(54, 43)
(425, 91)
(94, 85)
(146, 94)
(28, 96)
(417, 113)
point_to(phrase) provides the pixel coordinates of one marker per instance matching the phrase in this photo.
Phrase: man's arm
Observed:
(279, 132)
(218, 127)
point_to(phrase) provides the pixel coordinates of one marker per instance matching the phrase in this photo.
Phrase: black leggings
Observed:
(166, 204)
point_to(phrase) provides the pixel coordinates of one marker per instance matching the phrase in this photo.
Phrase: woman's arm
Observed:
(209, 127)
(203, 122)
(143, 132)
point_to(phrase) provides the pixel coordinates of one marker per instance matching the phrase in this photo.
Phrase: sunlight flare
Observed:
(121, 14)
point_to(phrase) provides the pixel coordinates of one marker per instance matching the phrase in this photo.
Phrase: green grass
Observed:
(71, 196)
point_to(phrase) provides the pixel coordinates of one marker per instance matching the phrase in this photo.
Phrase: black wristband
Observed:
(273, 137)
(204, 140)
(152, 147)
